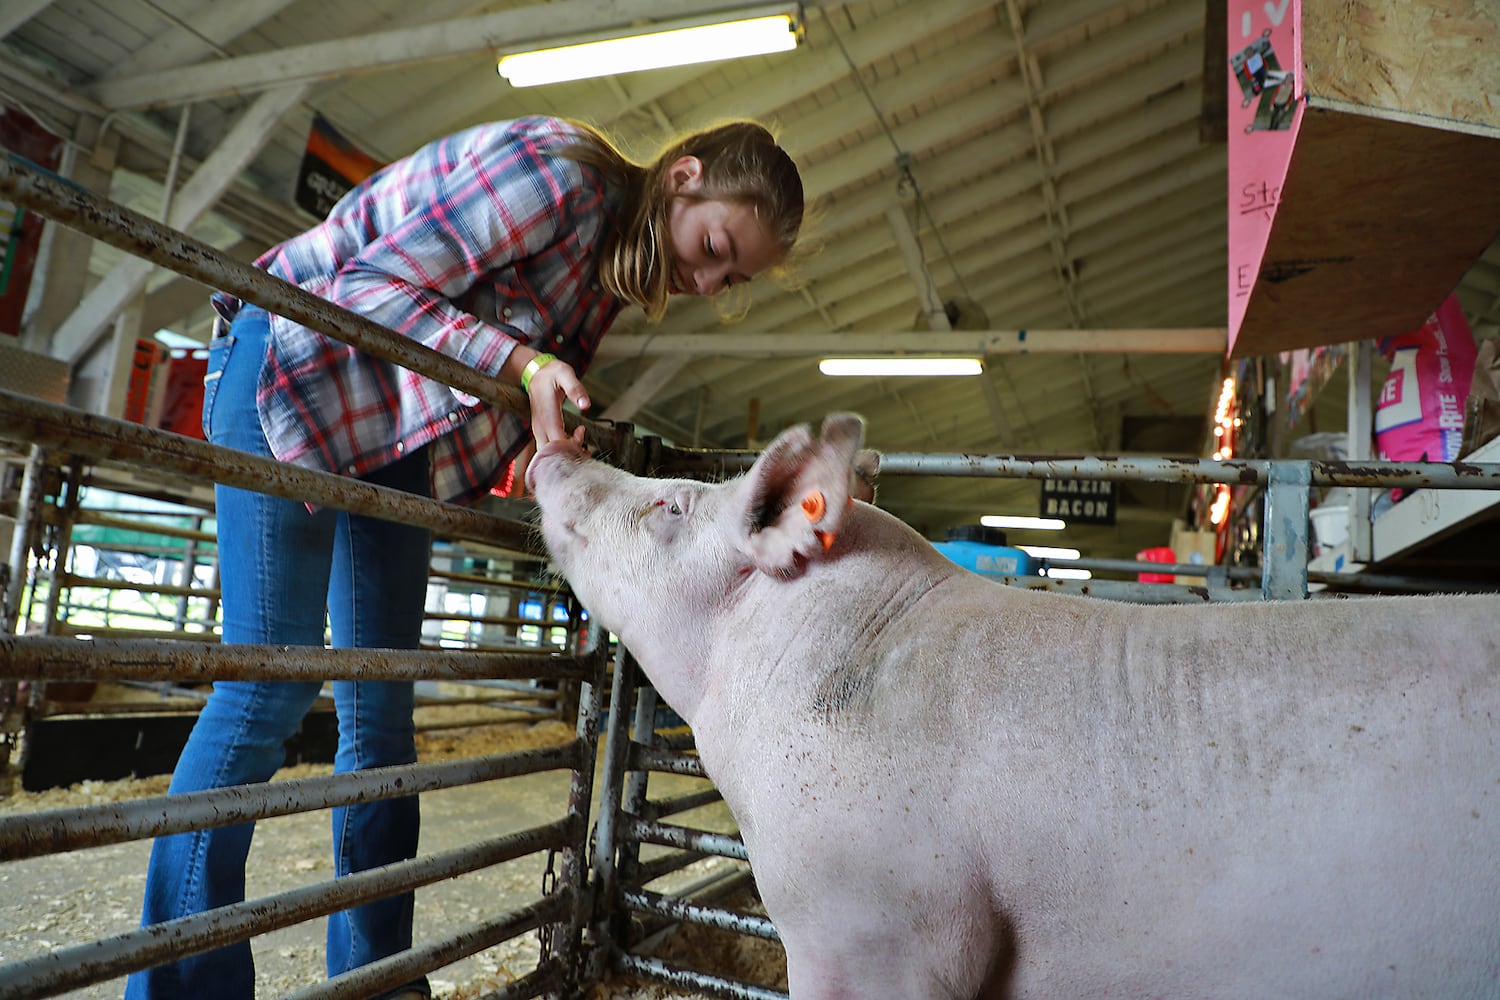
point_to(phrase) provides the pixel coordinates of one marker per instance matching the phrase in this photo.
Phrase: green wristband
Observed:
(533, 366)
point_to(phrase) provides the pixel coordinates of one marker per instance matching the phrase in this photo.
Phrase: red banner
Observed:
(20, 230)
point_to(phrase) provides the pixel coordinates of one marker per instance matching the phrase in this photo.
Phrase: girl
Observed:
(512, 247)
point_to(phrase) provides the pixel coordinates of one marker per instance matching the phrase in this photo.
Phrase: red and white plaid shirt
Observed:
(470, 245)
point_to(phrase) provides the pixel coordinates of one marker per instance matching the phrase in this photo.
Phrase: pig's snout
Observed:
(564, 448)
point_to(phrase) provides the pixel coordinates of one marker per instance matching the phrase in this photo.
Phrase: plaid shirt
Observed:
(472, 244)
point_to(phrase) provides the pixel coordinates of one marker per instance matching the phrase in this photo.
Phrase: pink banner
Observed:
(1265, 111)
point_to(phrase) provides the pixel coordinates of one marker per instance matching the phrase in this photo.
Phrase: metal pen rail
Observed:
(61, 440)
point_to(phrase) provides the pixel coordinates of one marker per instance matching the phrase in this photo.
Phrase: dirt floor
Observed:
(58, 901)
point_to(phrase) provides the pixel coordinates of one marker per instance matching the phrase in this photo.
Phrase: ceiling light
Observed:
(1017, 521)
(757, 31)
(901, 366)
(1047, 552)
(1058, 573)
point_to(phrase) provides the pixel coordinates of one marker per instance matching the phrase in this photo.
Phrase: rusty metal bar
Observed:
(566, 939)
(694, 913)
(667, 835)
(101, 479)
(458, 616)
(707, 891)
(657, 808)
(608, 925)
(399, 969)
(69, 968)
(54, 831)
(516, 687)
(141, 236)
(53, 658)
(51, 709)
(155, 452)
(13, 707)
(67, 510)
(488, 701)
(527, 711)
(63, 629)
(550, 589)
(644, 758)
(684, 740)
(28, 514)
(547, 977)
(633, 791)
(649, 871)
(145, 527)
(109, 583)
(1363, 581)
(1242, 472)
(660, 972)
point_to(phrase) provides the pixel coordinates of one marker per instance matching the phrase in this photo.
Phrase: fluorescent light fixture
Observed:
(1048, 552)
(754, 32)
(900, 366)
(1058, 573)
(1017, 521)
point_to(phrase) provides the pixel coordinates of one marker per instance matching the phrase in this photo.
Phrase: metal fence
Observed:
(600, 908)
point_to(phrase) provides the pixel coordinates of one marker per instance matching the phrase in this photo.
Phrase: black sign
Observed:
(1081, 501)
(330, 166)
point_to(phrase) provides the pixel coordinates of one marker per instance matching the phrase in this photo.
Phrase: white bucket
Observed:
(1330, 526)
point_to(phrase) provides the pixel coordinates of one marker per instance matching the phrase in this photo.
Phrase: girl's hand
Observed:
(551, 385)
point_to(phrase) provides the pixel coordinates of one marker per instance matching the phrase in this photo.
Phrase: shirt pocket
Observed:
(218, 357)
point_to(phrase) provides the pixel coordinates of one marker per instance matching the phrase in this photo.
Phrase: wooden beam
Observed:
(199, 34)
(17, 12)
(80, 332)
(514, 29)
(928, 301)
(645, 388)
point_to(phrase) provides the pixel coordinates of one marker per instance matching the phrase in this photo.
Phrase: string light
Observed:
(1224, 425)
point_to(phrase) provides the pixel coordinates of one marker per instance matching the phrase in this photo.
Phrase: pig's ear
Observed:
(796, 496)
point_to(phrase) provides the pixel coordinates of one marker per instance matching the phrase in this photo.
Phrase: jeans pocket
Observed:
(218, 358)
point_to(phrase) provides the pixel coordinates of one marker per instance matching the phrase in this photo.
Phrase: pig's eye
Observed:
(672, 507)
(664, 518)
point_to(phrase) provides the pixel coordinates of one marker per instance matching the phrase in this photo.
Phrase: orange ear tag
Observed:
(813, 506)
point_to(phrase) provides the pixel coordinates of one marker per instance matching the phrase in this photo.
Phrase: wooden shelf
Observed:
(1383, 191)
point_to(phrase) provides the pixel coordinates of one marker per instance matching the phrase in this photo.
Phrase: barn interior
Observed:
(1074, 193)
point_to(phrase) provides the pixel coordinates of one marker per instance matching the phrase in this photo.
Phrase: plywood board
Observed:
(1377, 221)
(1432, 62)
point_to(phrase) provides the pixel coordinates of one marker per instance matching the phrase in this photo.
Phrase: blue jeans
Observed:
(280, 567)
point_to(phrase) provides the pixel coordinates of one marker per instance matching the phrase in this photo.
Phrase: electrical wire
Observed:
(906, 180)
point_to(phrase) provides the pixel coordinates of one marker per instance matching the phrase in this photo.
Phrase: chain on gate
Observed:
(547, 931)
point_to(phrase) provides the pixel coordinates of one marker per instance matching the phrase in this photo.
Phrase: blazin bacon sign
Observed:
(1081, 501)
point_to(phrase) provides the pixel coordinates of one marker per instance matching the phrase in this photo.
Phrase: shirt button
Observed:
(594, 285)
(505, 312)
(353, 469)
(400, 447)
(453, 418)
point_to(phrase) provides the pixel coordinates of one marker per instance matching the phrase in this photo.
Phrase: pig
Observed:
(953, 788)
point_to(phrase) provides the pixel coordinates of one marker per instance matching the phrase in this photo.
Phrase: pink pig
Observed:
(952, 788)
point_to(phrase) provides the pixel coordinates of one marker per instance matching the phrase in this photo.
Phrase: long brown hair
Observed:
(742, 164)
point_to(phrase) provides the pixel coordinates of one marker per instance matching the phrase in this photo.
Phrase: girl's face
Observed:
(714, 244)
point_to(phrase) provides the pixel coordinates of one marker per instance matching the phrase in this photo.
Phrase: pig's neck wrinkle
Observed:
(835, 663)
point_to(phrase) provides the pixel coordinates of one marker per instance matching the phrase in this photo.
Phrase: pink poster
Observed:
(1265, 111)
